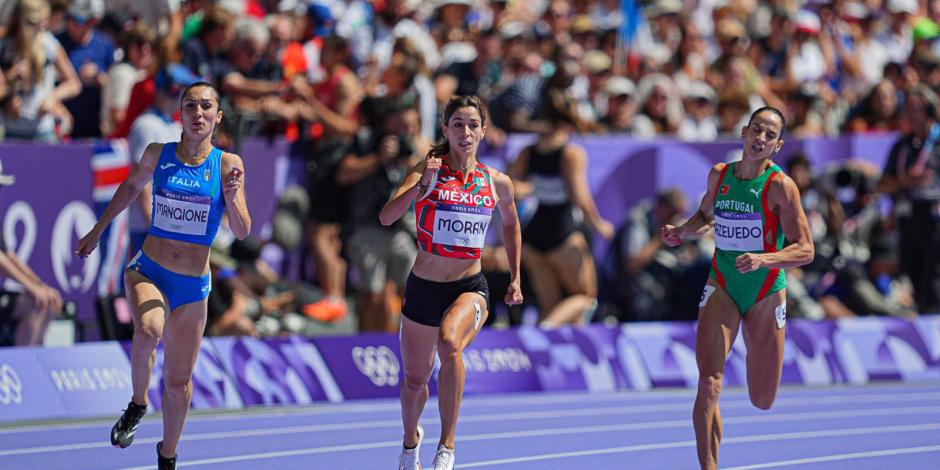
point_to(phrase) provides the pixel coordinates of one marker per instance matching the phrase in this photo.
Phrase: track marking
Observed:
(691, 443)
(502, 400)
(498, 417)
(837, 457)
(566, 431)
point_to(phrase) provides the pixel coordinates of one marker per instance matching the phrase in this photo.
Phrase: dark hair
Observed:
(926, 95)
(336, 43)
(139, 35)
(197, 85)
(770, 109)
(442, 148)
(798, 159)
(214, 17)
(558, 108)
(409, 66)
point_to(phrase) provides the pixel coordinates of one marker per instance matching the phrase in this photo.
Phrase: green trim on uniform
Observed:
(745, 224)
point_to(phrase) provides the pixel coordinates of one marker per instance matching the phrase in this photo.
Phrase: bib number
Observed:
(780, 314)
(179, 213)
(461, 226)
(739, 231)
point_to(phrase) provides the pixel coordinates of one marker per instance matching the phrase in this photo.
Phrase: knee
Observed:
(448, 347)
(762, 401)
(148, 332)
(415, 382)
(177, 383)
(709, 385)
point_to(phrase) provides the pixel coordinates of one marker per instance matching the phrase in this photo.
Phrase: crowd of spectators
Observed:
(356, 85)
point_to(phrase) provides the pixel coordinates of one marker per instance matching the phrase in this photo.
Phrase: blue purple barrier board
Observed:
(94, 379)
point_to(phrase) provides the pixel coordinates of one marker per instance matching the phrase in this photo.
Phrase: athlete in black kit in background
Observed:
(556, 254)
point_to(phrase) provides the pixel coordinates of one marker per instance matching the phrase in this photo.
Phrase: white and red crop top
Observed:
(452, 217)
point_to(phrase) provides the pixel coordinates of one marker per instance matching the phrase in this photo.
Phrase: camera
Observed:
(406, 146)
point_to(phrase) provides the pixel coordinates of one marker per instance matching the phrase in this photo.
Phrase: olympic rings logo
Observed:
(11, 388)
(379, 364)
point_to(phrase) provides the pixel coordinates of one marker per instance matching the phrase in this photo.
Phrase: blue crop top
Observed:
(187, 200)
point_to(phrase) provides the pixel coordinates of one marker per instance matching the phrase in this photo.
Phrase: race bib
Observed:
(780, 314)
(706, 294)
(549, 189)
(736, 231)
(181, 213)
(462, 226)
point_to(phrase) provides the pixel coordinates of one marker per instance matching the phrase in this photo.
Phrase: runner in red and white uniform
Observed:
(446, 294)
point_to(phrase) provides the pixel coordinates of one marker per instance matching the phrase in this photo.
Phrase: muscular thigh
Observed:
(182, 337)
(718, 324)
(764, 328)
(418, 346)
(464, 318)
(148, 302)
(574, 264)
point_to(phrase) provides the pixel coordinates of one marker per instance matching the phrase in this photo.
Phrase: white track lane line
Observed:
(520, 416)
(488, 401)
(559, 455)
(316, 409)
(837, 457)
(485, 403)
(691, 443)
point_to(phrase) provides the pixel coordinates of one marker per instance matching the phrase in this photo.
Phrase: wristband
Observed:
(422, 188)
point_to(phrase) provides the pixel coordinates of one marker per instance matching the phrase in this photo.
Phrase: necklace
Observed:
(463, 169)
(194, 160)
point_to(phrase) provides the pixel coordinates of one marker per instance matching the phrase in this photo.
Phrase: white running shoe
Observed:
(410, 458)
(444, 458)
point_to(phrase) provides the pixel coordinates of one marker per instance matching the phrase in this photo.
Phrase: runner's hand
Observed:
(748, 262)
(233, 181)
(513, 293)
(87, 244)
(430, 169)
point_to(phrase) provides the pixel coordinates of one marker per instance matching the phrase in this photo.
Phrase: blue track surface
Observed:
(817, 428)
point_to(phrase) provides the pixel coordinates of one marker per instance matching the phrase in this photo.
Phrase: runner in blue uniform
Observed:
(168, 281)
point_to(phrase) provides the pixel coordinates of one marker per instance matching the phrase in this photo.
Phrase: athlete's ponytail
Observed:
(442, 148)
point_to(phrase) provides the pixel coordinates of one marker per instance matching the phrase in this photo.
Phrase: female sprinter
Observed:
(753, 207)
(445, 296)
(168, 280)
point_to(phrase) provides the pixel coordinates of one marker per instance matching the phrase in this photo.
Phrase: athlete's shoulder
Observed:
(502, 184)
(154, 150)
(231, 159)
(782, 185)
(499, 177)
(716, 170)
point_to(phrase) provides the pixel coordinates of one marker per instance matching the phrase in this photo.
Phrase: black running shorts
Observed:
(426, 301)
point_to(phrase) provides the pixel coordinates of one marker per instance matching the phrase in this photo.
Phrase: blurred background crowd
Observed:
(356, 87)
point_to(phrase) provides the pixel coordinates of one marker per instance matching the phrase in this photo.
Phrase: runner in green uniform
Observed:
(753, 207)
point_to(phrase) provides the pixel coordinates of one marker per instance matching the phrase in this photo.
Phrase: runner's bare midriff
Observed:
(440, 269)
(184, 258)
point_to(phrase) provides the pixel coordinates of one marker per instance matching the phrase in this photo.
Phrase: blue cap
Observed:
(174, 76)
(321, 18)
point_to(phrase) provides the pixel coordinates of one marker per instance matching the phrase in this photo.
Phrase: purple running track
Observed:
(815, 428)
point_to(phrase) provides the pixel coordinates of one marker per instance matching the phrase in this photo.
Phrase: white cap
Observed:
(87, 9)
(615, 86)
(902, 6)
(807, 21)
(441, 3)
(699, 90)
(856, 10)
(457, 53)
